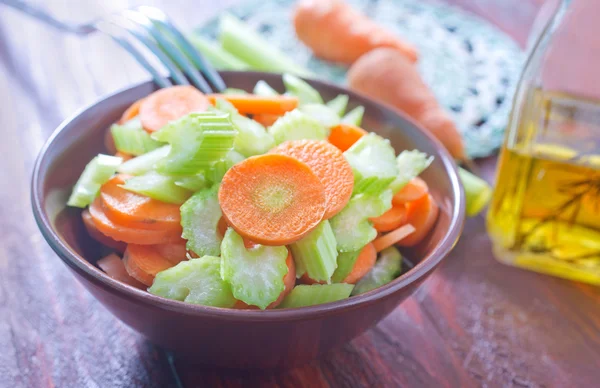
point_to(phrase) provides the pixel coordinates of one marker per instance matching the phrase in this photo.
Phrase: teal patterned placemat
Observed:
(471, 66)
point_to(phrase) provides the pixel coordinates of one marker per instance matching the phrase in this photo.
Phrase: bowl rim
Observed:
(98, 277)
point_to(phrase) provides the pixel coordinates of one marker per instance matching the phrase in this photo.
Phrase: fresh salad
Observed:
(252, 200)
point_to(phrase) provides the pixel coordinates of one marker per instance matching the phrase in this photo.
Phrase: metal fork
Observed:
(150, 27)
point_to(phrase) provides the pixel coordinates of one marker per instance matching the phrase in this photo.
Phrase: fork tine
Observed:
(143, 36)
(159, 17)
(171, 50)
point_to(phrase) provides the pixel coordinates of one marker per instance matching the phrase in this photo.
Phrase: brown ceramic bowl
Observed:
(227, 337)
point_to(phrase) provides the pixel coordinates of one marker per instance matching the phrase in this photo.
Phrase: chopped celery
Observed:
(197, 141)
(144, 163)
(316, 254)
(296, 125)
(96, 172)
(304, 295)
(216, 55)
(255, 274)
(322, 113)
(131, 138)
(373, 162)
(199, 218)
(351, 226)
(301, 89)
(193, 182)
(355, 116)
(157, 186)
(339, 104)
(477, 192)
(216, 172)
(264, 89)
(345, 263)
(195, 281)
(386, 269)
(253, 138)
(251, 48)
(234, 91)
(410, 165)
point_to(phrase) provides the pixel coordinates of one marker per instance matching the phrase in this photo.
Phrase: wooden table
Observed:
(475, 322)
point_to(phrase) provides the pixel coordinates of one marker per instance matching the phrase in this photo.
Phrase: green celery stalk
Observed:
(95, 174)
(216, 55)
(477, 192)
(355, 116)
(159, 187)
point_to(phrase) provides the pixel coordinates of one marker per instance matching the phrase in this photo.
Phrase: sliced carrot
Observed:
(272, 199)
(390, 220)
(138, 211)
(415, 189)
(344, 135)
(143, 262)
(329, 165)
(114, 267)
(94, 233)
(222, 227)
(175, 253)
(393, 237)
(421, 214)
(123, 155)
(168, 104)
(289, 280)
(129, 235)
(364, 263)
(266, 119)
(253, 104)
(131, 112)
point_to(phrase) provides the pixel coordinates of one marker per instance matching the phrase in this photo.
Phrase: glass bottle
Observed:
(545, 211)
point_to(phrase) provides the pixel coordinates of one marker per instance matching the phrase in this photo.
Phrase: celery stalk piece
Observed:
(316, 254)
(351, 226)
(234, 91)
(373, 162)
(159, 187)
(322, 113)
(217, 171)
(253, 138)
(197, 141)
(144, 163)
(410, 165)
(304, 295)
(477, 192)
(199, 218)
(339, 104)
(264, 89)
(250, 47)
(296, 125)
(255, 274)
(216, 55)
(193, 182)
(299, 88)
(195, 281)
(345, 263)
(355, 116)
(132, 139)
(95, 174)
(386, 269)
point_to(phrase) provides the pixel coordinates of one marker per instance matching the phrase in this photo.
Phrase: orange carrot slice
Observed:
(175, 253)
(114, 267)
(266, 119)
(421, 214)
(253, 104)
(390, 220)
(131, 112)
(168, 104)
(129, 235)
(289, 280)
(415, 189)
(134, 210)
(364, 263)
(272, 199)
(344, 135)
(143, 262)
(393, 237)
(94, 233)
(329, 165)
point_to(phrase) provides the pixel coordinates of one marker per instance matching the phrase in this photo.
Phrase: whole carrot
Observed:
(337, 32)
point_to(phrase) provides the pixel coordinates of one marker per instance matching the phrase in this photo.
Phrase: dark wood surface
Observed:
(475, 322)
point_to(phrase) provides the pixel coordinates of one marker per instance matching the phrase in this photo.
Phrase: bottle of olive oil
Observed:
(545, 211)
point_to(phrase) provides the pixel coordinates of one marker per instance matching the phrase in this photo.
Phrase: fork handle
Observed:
(45, 17)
